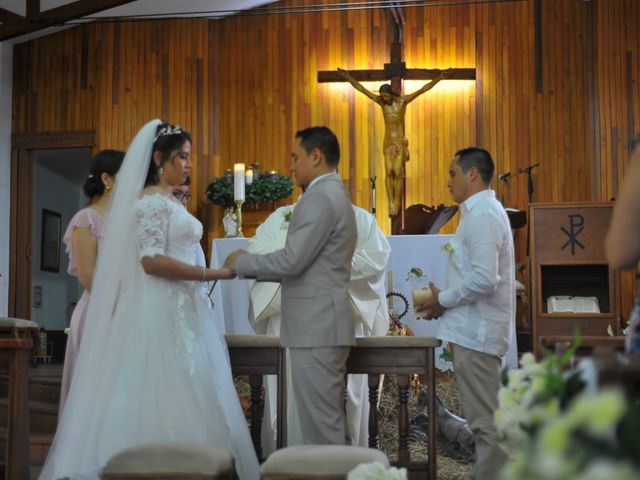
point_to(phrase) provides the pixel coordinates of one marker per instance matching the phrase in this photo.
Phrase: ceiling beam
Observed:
(7, 16)
(33, 9)
(15, 27)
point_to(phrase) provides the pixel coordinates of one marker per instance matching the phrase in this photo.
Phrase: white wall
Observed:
(53, 192)
(6, 59)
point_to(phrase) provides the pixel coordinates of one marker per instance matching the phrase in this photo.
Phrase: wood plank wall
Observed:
(557, 83)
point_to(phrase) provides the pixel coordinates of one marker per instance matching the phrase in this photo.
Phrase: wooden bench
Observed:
(587, 343)
(16, 342)
(257, 355)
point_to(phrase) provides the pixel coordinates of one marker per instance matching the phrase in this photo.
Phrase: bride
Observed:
(153, 366)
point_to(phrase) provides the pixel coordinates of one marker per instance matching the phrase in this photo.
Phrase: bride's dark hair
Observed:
(169, 138)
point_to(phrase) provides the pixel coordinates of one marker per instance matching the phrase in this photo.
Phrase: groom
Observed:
(314, 269)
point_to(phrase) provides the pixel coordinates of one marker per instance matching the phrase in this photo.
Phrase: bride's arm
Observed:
(152, 217)
(167, 267)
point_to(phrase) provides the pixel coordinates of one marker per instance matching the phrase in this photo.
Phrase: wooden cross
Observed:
(396, 71)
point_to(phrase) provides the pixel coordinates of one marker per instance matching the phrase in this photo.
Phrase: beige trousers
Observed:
(317, 377)
(478, 380)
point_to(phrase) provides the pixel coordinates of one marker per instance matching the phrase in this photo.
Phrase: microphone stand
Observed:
(373, 195)
(527, 170)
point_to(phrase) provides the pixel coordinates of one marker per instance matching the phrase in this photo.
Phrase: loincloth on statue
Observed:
(397, 148)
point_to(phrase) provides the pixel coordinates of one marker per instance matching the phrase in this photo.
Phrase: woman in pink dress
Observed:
(83, 238)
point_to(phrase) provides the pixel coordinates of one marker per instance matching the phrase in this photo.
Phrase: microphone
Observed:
(504, 177)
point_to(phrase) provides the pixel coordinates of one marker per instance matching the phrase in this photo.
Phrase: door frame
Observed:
(21, 202)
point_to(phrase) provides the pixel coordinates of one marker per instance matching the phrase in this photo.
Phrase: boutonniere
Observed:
(287, 215)
(447, 247)
(414, 274)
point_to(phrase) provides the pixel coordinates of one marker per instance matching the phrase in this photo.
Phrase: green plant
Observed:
(266, 188)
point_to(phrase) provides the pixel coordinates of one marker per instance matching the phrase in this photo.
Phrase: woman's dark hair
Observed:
(169, 138)
(106, 161)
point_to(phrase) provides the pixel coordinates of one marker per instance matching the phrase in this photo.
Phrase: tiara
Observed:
(168, 130)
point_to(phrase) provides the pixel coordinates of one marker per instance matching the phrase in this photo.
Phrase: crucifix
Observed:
(393, 104)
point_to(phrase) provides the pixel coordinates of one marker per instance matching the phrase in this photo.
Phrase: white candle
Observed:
(238, 182)
(249, 177)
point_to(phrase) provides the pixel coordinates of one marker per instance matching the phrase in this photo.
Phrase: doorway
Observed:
(47, 173)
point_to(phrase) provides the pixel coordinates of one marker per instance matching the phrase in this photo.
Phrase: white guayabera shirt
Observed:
(479, 292)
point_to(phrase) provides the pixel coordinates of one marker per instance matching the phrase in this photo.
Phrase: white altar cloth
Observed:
(231, 298)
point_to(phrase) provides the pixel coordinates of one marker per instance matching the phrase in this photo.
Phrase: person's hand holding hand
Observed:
(230, 261)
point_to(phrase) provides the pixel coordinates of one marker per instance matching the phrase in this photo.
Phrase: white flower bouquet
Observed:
(553, 428)
(377, 471)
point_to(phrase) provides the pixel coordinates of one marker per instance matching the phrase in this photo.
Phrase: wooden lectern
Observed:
(567, 259)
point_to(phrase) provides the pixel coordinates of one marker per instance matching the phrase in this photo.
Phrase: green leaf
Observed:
(264, 189)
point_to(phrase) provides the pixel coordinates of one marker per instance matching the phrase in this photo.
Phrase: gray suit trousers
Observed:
(318, 379)
(478, 380)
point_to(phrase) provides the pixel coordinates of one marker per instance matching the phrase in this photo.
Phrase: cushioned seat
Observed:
(7, 323)
(170, 461)
(318, 462)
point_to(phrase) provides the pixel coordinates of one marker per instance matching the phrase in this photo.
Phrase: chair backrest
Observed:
(420, 219)
(443, 216)
(417, 219)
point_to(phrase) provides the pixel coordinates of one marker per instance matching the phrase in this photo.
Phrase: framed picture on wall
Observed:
(50, 247)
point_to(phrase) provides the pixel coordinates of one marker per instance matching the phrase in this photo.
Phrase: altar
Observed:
(409, 253)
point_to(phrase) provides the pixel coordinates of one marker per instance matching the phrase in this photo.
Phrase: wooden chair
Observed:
(402, 356)
(420, 219)
(442, 216)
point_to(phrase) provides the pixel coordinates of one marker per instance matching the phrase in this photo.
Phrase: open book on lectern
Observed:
(560, 303)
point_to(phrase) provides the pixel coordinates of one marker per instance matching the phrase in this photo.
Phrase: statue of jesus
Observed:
(395, 146)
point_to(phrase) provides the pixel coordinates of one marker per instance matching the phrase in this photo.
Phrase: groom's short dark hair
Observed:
(324, 140)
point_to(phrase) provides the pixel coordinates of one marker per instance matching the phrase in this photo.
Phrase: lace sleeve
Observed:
(152, 219)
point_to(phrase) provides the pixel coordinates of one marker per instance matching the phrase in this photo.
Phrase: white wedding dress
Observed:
(165, 376)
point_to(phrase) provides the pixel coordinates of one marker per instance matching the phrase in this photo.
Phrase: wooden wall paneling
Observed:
(557, 83)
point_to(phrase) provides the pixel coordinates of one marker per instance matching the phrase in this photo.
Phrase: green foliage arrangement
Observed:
(266, 188)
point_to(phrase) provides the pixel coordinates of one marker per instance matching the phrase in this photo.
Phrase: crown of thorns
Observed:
(168, 130)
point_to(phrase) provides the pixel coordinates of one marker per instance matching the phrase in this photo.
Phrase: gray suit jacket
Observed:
(314, 268)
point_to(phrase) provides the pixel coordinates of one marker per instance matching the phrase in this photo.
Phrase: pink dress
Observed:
(85, 218)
